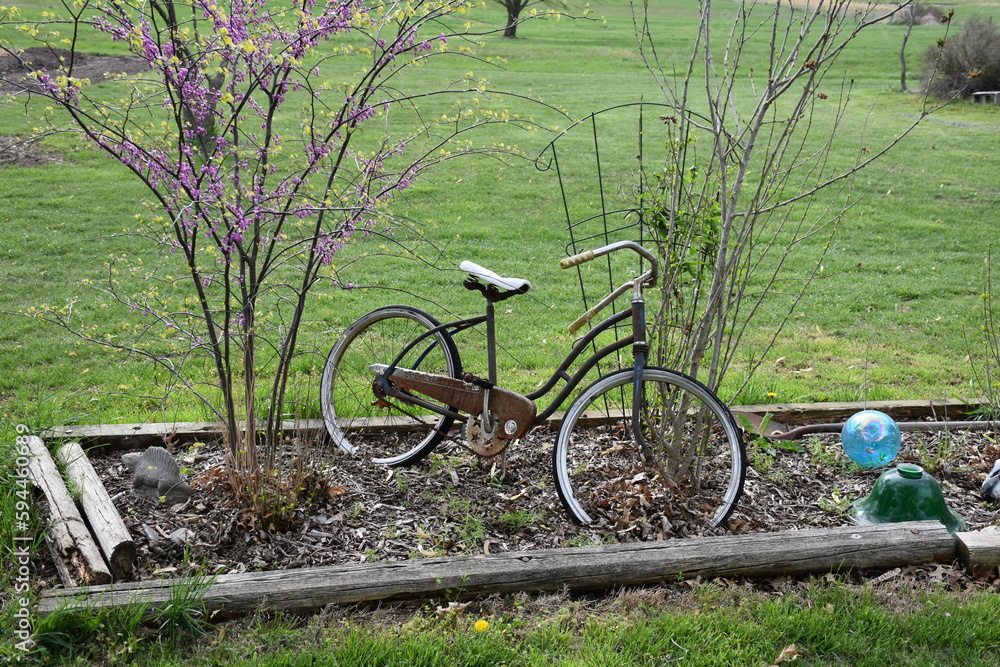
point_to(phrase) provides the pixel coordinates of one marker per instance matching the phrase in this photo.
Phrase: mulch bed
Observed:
(456, 503)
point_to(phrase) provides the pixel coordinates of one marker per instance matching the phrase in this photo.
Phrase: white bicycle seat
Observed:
(476, 271)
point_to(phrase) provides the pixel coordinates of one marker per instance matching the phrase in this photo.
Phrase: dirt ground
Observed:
(25, 152)
(15, 69)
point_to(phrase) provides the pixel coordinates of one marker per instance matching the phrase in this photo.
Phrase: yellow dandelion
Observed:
(481, 625)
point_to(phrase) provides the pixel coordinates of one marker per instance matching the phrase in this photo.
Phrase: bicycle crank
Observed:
(481, 441)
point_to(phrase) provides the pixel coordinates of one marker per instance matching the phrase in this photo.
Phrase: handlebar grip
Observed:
(577, 259)
(583, 319)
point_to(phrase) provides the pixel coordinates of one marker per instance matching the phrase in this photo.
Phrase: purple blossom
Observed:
(230, 187)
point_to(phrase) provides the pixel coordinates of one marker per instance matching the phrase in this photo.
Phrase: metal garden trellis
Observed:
(619, 172)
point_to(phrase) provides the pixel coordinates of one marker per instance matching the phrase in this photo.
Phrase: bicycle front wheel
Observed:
(389, 430)
(686, 475)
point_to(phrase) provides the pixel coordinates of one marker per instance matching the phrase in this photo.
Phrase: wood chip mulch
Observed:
(455, 503)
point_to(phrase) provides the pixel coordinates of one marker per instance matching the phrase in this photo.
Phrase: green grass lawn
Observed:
(896, 314)
(813, 623)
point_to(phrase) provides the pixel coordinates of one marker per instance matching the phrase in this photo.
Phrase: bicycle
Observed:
(641, 439)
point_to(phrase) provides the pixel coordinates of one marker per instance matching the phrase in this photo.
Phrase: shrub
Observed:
(920, 14)
(966, 63)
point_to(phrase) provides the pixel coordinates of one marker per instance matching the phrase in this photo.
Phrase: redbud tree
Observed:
(259, 163)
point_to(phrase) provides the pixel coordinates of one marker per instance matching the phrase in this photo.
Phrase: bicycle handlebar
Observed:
(612, 247)
(590, 314)
(647, 279)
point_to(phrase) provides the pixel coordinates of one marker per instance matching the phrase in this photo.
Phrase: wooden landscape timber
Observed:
(99, 511)
(577, 569)
(74, 553)
(979, 550)
(799, 414)
(140, 436)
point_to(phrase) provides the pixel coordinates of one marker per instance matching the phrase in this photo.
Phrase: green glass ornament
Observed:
(906, 493)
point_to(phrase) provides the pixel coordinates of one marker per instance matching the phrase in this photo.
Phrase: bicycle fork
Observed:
(640, 350)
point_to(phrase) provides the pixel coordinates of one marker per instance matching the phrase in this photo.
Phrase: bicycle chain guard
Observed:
(514, 414)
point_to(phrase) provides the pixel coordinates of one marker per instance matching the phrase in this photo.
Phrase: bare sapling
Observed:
(752, 172)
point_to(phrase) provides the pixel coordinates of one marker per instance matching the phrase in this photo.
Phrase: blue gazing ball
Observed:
(871, 438)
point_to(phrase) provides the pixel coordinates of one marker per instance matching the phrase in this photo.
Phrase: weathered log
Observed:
(74, 552)
(99, 511)
(578, 569)
(979, 551)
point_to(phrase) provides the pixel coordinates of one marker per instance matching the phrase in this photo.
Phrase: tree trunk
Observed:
(902, 53)
(99, 511)
(512, 14)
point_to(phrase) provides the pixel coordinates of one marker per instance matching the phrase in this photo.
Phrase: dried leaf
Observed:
(427, 553)
(788, 654)
(452, 608)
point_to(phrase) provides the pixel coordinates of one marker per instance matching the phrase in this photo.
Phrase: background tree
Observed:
(966, 63)
(514, 10)
(915, 14)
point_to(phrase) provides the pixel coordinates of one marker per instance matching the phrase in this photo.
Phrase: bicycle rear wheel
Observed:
(690, 477)
(389, 430)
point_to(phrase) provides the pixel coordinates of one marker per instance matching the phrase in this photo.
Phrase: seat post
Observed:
(491, 341)
(492, 295)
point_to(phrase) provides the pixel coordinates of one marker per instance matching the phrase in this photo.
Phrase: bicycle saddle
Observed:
(512, 284)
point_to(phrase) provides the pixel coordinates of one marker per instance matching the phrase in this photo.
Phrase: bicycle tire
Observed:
(387, 431)
(696, 478)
